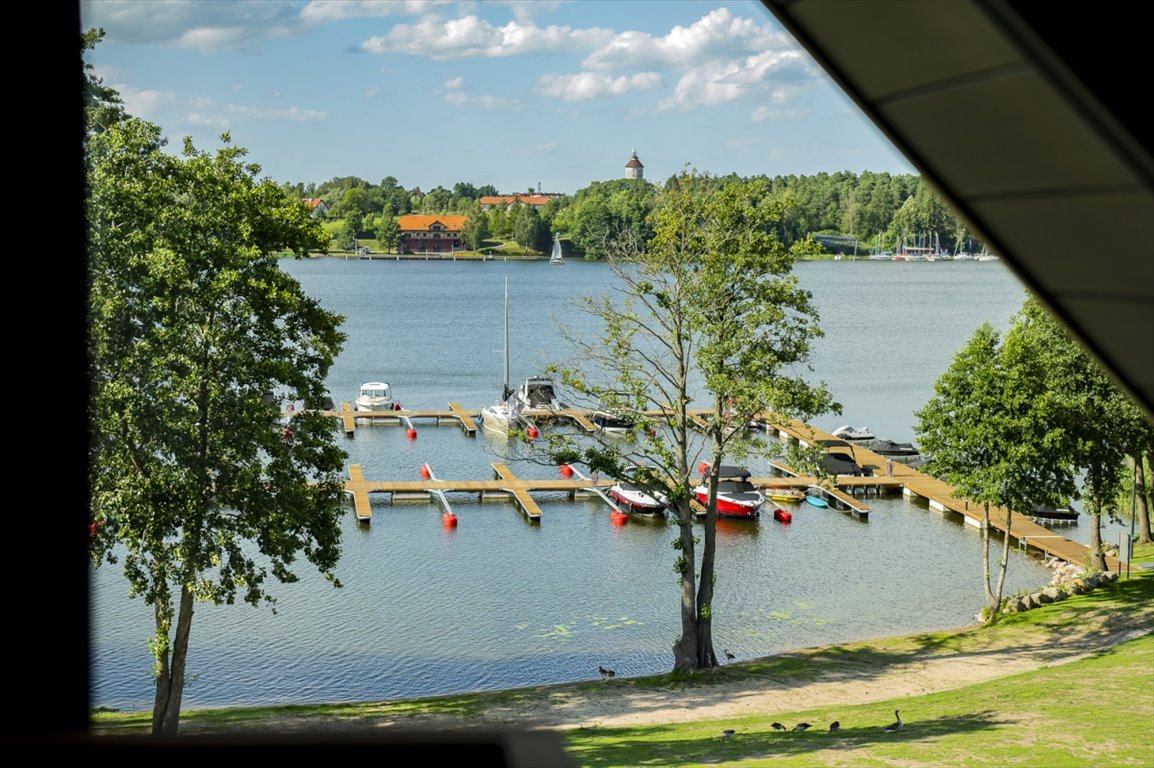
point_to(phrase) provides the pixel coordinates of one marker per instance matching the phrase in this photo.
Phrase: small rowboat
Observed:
(785, 494)
(817, 501)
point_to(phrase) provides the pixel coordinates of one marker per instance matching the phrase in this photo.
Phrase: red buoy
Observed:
(449, 520)
(424, 471)
(411, 433)
(533, 433)
(703, 468)
(618, 518)
(781, 516)
(566, 470)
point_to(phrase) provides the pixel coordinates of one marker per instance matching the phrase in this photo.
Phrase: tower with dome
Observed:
(634, 169)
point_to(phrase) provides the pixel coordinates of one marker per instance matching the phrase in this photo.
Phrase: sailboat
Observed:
(556, 257)
(501, 416)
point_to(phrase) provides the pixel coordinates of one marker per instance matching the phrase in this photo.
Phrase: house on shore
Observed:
(431, 234)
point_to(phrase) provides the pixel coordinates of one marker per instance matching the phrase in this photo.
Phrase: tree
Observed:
(476, 229)
(709, 303)
(994, 430)
(196, 485)
(102, 105)
(1106, 426)
(388, 232)
(529, 230)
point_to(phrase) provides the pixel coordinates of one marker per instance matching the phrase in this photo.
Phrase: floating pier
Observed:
(883, 476)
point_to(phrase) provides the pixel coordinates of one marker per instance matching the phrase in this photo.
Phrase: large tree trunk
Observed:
(170, 679)
(1097, 555)
(991, 603)
(685, 649)
(704, 655)
(1141, 505)
(1003, 566)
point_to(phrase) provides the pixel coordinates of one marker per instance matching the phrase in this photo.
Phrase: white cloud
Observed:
(462, 99)
(472, 36)
(456, 82)
(144, 103)
(316, 11)
(764, 114)
(196, 118)
(592, 85)
(372, 92)
(718, 82)
(203, 26)
(719, 33)
(292, 114)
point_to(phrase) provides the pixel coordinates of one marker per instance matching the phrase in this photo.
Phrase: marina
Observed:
(501, 601)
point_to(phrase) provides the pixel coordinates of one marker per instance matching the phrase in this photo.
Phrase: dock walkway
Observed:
(886, 477)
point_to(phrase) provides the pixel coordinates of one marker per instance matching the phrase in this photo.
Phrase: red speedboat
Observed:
(736, 496)
(633, 498)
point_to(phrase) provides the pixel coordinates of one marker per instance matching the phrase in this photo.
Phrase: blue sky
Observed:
(514, 94)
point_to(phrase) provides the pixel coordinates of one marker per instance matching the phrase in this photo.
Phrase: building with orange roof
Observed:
(538, 201)
(431, 234)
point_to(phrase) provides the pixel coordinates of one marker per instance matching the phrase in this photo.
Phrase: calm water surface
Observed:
(500, 602)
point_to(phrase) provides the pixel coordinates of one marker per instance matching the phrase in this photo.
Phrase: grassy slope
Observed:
(1098, 711)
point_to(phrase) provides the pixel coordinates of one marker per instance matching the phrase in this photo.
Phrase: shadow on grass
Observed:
(664, 745)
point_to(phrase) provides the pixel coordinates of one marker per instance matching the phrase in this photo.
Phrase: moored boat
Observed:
(736, 495)
(608, 421)
(849, 432)
(816, 501)
(536, 392)
(633, 498)
(785, 494)
(376, 396)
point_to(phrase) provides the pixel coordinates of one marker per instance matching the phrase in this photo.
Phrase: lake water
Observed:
(499, 602)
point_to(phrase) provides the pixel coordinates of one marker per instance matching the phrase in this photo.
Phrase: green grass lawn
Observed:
(1096, 711)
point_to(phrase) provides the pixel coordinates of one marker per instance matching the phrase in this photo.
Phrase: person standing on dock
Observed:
(889, 467)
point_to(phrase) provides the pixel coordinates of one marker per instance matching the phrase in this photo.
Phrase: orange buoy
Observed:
(411, 433)
(618, 518)
(425, 472)
(702, 468)
(533, 433)
(566, 470)
(449, 520)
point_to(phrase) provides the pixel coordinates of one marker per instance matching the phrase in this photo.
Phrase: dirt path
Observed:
(845, 675)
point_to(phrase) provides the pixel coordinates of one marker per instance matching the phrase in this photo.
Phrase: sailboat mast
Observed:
(505, 389)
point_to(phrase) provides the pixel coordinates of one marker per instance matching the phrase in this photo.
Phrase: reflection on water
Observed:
(500, 602)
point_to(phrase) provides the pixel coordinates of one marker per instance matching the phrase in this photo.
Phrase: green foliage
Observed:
(195, 485)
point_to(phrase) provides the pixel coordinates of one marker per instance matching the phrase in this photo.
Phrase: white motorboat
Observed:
(848, 432)
(633, 498)
(536, 393)
(376, 396)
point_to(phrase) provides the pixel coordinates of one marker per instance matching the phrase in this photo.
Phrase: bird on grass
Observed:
(834, 726)
(727, 733)
(605, 672)
(729, 655)
(777, 727)
(896, 725)
(801, 726)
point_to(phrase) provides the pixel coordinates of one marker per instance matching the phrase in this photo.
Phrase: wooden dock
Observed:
(887, 477)
(504, 484)
(939, 495)
(455, 415)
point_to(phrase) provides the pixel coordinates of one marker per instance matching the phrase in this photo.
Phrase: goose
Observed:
(801, 726)
(729, 655)
(896, 725)
(834, 726)
(777, 727)
(605, 672)
(728, 732)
